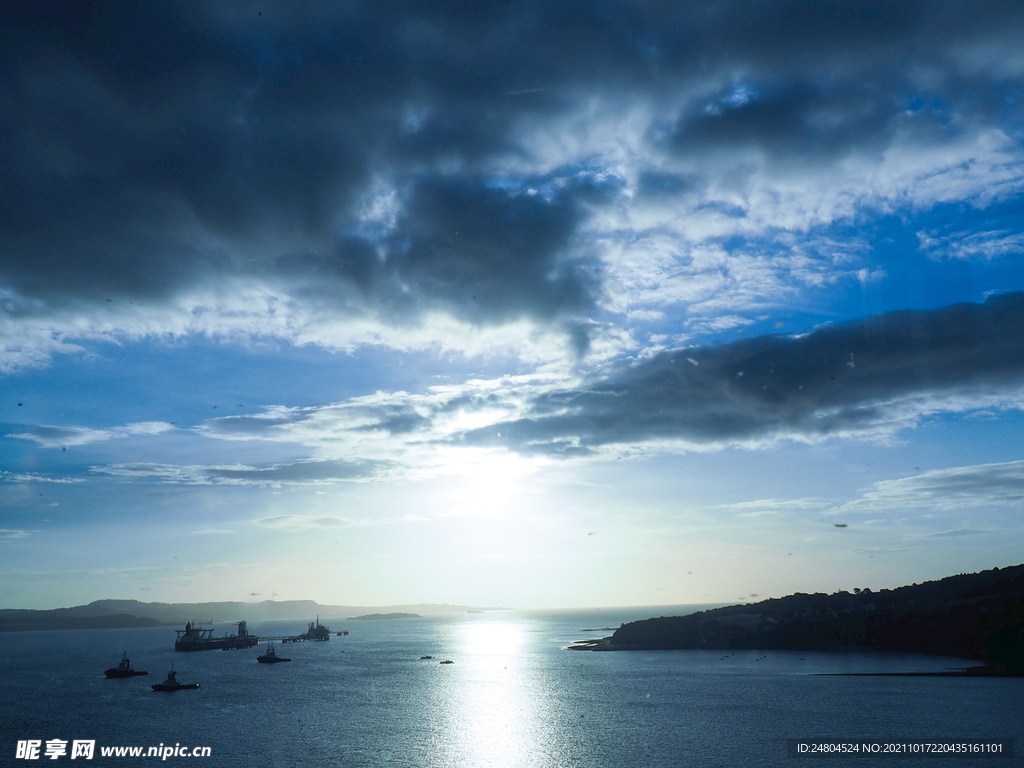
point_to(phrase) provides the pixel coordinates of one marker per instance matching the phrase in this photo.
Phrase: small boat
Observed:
(124, 668)
(425, 657)
(446, 661)
(270, 657)
(172, 684)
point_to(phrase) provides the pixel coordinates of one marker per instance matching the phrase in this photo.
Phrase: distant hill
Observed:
(115, 614)
(978, 616)
(20, 621)
(375, 616)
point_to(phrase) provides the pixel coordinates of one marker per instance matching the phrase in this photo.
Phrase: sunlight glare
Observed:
(492, 638)
(496, 701)
(489, 482)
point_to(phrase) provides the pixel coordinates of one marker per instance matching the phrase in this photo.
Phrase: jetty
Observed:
(315, 632)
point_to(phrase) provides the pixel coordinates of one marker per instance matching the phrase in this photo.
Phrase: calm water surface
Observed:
(512, 698)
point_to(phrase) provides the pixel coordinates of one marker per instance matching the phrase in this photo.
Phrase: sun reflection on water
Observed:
(493, 700)
(492, 638)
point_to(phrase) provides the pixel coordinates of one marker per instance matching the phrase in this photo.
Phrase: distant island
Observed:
(976, 616)
(127, 614)
(386, 616)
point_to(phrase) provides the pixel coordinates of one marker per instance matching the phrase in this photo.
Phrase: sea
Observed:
(513, 697)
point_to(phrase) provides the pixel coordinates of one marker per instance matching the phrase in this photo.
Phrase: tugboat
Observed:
(270, 657)
(172, 684)
(124, 668)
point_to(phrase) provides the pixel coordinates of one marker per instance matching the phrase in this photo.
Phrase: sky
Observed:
(508, 303)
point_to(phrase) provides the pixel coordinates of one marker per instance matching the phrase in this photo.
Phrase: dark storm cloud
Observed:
(151, 148)
(788, 121)
(141, 134)
(858, 377)
(484, 253)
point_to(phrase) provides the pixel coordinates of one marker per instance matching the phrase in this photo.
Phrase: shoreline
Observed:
(983, 669)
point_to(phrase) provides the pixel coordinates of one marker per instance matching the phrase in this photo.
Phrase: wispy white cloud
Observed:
(772, 507)
(389, 429)
(957, 533)
(720, 323)
(310, 522)
(865, 380)
(33, 477)
(60, 437)
(244, 310)
(304, 522)
(972, 245)
(310, 472)
(982, 485)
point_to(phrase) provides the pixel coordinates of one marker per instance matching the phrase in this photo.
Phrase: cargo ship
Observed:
(195, 638)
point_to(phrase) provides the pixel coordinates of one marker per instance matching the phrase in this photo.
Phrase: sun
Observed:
(487, 482)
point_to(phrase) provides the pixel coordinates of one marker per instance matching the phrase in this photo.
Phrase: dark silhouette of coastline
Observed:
(976, 616)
